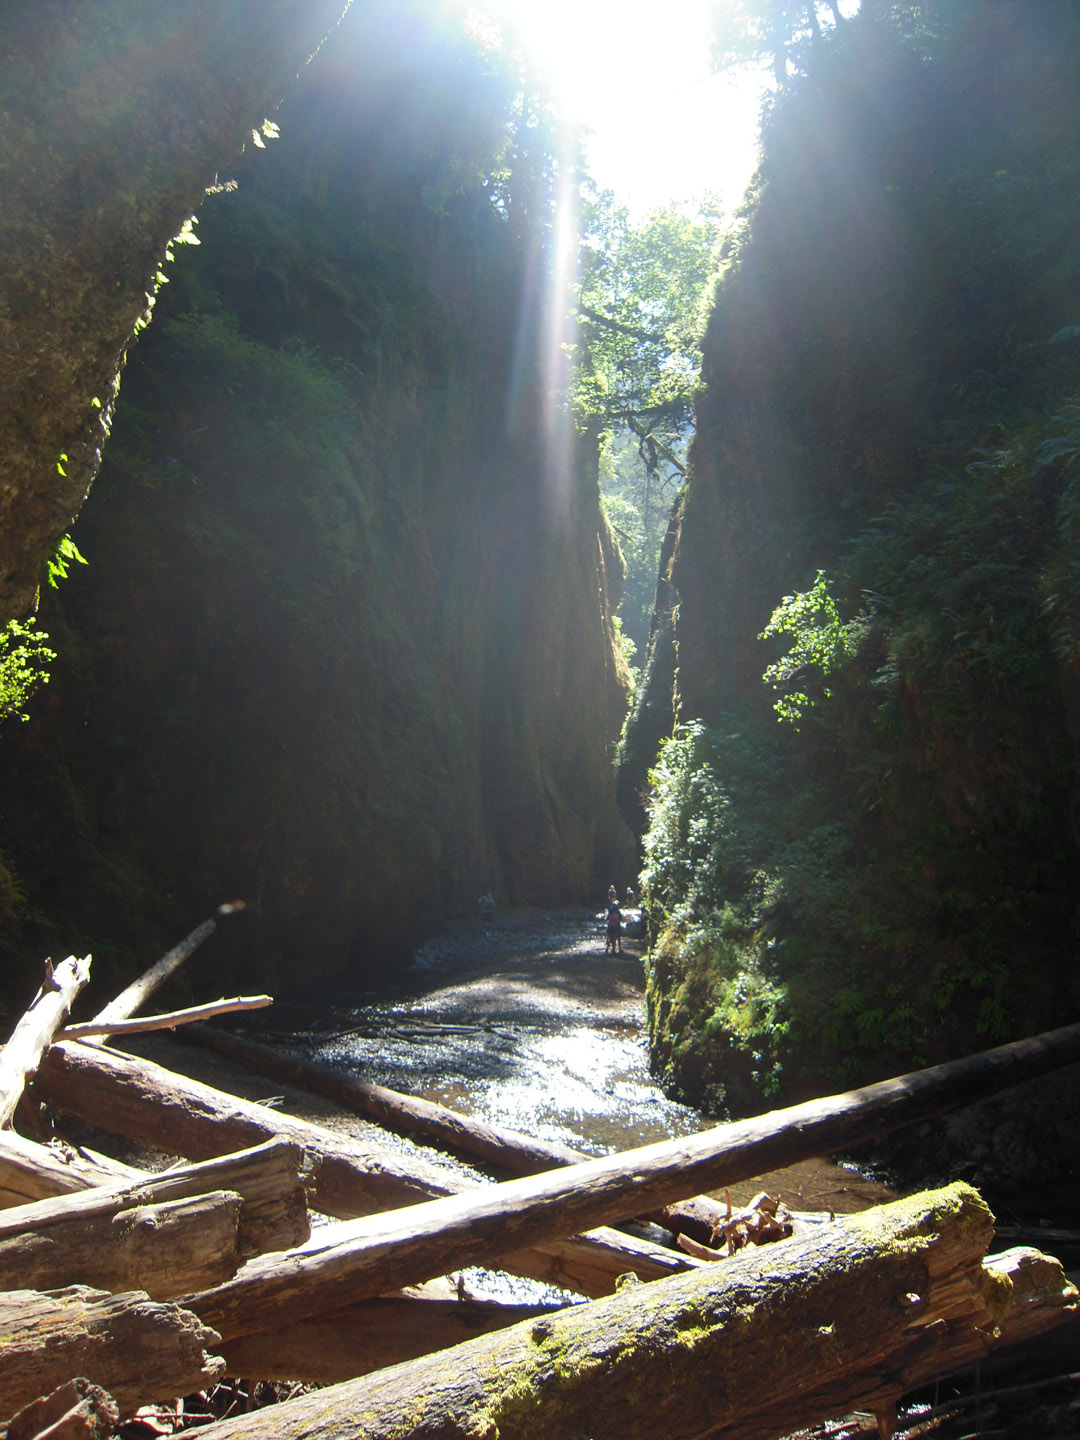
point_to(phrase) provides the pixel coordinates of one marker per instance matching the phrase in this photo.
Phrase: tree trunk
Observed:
(137, 1350)
(168, 1021)
(35, 1031)
(863, 1309)
(508, 1151)
(478, 1227)
(167, 1250)
(76, 1411)
(131, 1000)
(347, 1343)
(29, 1171)
(151, 1235)
(153, 1106)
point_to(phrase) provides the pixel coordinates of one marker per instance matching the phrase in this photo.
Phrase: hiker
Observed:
(612, 895)
(631, 898)
(613, 931)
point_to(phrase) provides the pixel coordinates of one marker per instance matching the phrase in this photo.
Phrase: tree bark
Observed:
(138, 1350)
(29, 1171)
(347, 1343)
(414, 1244)
(507, 1151)
(167, 1250)
(102, 1237)
(75, 1411)
(34, 1032)
(856, 1310)
(146, 1103)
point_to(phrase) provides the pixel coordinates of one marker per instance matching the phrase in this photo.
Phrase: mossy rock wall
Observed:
(889, 395)
(339, 651)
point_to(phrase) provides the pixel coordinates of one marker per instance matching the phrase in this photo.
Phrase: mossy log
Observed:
(35, 1030)
(137, 1349)
(331, 1348)
(160, 1233)
(862, 1309)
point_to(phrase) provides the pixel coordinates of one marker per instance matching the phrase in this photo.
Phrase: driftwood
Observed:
(168, 1021)
(161, 1232)
(138, 1350)
(413, 1244)
(34, 1032)
(131, 1000)
(31, 1171)
(362, 1338)
(167, 1250)
(75, 1411)
(147, 1103)
(507, 1151)
(853, 1316)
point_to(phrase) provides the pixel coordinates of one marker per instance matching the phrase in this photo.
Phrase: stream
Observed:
(527, 1024)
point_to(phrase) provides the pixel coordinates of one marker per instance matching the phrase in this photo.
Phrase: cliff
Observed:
(342, 648)
(887, 436)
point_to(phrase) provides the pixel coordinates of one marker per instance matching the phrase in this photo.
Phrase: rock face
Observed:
(889, 397)
(343, 646)
(114, 117)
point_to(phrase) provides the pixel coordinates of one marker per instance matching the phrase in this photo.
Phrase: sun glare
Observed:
(661, 128)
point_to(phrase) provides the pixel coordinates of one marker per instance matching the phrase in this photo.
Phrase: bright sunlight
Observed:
(662, 129)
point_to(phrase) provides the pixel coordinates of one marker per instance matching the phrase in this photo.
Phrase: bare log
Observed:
(29, 1171)
(858, 1308)
(331, 1348)
(163, 1249)
(169, 1021)
(147, 1103)
(507, 1151)
(273, 1213)
(418, 1242)
(144, 1102)
(130, 1001)
(34, 1032)
(75, 1411)
(136, 1349)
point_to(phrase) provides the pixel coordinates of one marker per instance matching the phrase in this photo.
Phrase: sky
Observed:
(636, 73)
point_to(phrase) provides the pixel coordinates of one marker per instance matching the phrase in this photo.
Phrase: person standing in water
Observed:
(613, 942)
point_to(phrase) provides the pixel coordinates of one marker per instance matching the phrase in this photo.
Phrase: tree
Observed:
(640, 315)
(769, 31)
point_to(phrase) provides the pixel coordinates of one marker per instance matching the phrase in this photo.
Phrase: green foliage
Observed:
(823, 642)
(24, 662)
(63, 556)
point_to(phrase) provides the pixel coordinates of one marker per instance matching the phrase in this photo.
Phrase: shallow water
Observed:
(528, 1025)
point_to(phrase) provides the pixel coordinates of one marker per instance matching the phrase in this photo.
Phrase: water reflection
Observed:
(529, 1026)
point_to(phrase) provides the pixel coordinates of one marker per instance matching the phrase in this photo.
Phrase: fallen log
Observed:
(30, 1171)
(159, 1233)
(415, 1243)
(169, 1021)
(75, 1411)
(138, 1350)
(507, 1151)
(132, 999)
(347, 1343)
(162, 1249)
(34, 1032)
(863, 1309)
(154, 1106)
